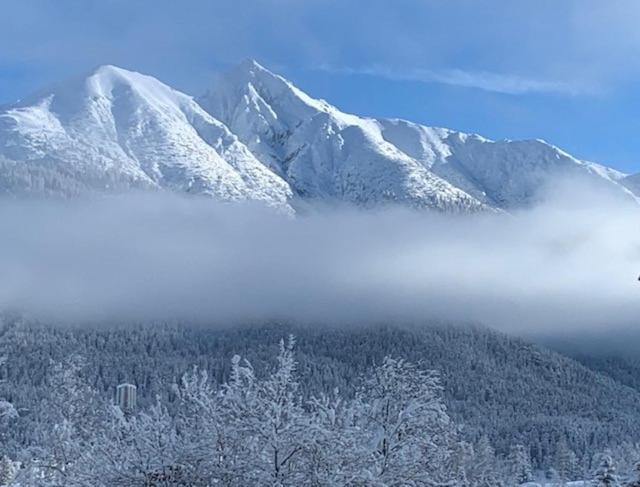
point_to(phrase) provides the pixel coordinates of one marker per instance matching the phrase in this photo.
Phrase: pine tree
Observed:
(519, 464)
(7, 411)
(462, 461)
(605, 475)
(7, 471)
(565, 461)
(635, 482)
(485, 464)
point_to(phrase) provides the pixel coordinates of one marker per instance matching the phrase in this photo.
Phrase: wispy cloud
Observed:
(482, 80)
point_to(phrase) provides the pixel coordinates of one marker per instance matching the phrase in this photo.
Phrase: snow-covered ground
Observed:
(575, 483)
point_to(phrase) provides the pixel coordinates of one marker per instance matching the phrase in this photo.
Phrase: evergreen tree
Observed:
(551, 474)
(485, 465)
(519, 464)
(565, 461)
(462, 462)
(7, 471)
(605, 475)
(636, 481)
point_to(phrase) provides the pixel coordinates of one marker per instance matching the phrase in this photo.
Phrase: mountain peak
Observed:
(110, 82)
(109, 70)
(247, 72)
(114, 128)
(99, 83)
(250, 86)
(251, 65)
(103, 79)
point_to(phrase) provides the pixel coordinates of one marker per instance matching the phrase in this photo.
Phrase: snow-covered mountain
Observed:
(324, 152)
(255, 136)
(632, 182)
(116, 129)
(504, 174)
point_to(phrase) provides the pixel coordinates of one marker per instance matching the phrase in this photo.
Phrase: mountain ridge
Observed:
(255, 136)
(322, 152)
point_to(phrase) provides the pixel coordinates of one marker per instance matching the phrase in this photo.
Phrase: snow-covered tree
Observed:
(338, 449)
(8, 471)
(605, 475)
(70, 422)
(551, 474)
(485, 471)
(143, 449)
(408, 426)
(565, 462)
(635, 481)
(155, 447)
(461, 464)
(7, 411)
(207, 438)
(519, 464)
(268, 419)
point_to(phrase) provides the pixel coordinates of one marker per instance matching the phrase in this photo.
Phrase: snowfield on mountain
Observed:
(255, 136)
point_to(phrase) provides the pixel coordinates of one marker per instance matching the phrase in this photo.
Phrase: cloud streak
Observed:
(164, 258)
(486, 81)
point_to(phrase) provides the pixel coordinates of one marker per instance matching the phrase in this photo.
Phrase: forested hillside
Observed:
(503, 387)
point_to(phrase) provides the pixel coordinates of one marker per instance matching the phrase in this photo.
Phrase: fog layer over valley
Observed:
(567, 264)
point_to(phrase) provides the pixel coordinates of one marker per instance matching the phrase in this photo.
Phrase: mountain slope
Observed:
(117, 129)
(504, 174)
(633, 183)
(323, 153)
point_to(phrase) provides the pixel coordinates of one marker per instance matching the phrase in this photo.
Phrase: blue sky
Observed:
(567, 71)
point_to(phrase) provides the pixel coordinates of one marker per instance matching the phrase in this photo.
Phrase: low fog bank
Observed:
(569, 264)
(621, 343)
